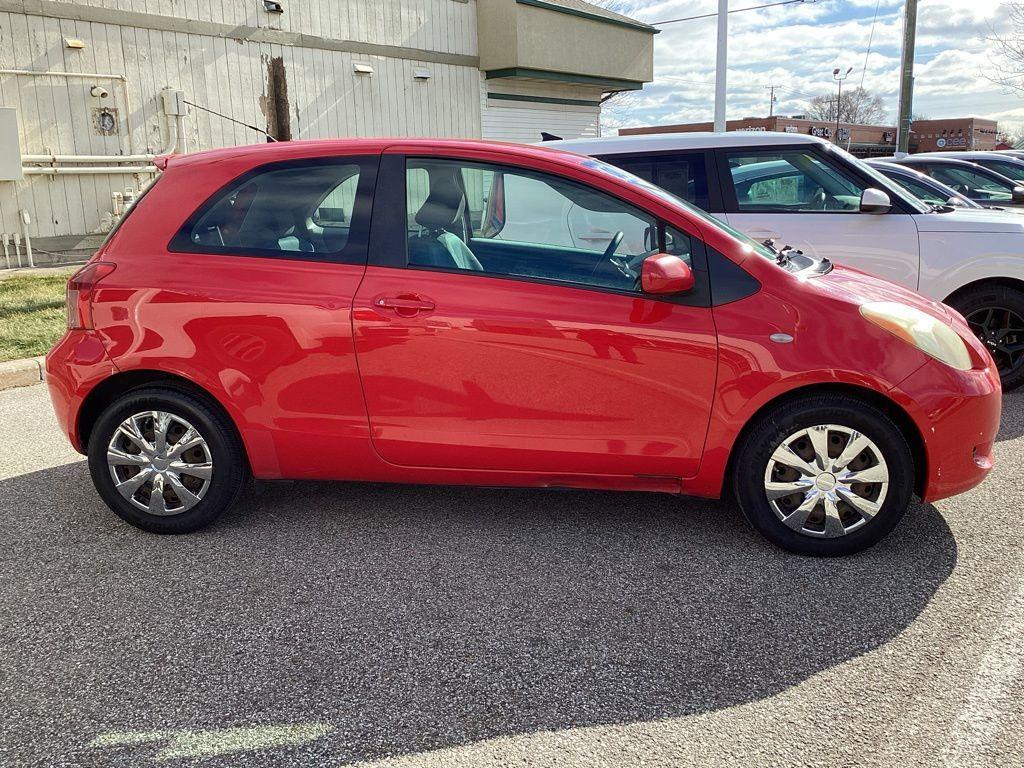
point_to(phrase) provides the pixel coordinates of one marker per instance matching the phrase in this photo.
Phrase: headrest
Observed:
(443, 205)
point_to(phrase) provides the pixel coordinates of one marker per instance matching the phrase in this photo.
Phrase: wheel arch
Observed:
(985, 282)
(112, 388)
(893, 410)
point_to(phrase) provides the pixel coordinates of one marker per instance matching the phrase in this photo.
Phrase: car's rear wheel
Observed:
(165, 461)
(996, 315)
(826, 475)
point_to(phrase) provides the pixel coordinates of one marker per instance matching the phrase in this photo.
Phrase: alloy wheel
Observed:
(160, 463)
(1002, 331)
(826, 481)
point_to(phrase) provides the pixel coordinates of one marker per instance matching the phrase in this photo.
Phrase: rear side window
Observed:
(684, 175)
(312, 210)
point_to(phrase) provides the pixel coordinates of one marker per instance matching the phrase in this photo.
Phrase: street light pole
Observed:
(721, 64)
(839, 98)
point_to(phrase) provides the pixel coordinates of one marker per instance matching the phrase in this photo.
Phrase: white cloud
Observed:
(797, 46)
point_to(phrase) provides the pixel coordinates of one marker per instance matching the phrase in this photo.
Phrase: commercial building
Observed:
(971, 133)
(862, 140)
(90, 92)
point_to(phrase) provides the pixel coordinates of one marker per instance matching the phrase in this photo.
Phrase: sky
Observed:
(797, 46)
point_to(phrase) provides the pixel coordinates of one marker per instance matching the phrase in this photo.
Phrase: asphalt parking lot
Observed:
(341, 624)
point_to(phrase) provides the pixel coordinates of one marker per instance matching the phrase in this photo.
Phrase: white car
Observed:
(804, 192)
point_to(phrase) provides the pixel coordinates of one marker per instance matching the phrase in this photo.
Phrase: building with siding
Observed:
(92, 91)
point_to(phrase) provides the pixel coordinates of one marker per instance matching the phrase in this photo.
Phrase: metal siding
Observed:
(523, 121)
(326, 98)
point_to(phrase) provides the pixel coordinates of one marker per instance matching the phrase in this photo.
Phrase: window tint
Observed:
(684, 175)
(794, 181)
(503, 221)
(297, 210)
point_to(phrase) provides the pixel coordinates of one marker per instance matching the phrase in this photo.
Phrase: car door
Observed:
(487, 344)
(807, 198)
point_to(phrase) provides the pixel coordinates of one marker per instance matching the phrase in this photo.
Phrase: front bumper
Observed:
(957, 414)
(75, 365)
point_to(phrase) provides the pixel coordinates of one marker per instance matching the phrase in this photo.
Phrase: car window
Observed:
(335, 210)
(294, 210)
(1010, 170)
(919, 190)
(503, 221)
(974, 185)
(791, 181)
(684, 174)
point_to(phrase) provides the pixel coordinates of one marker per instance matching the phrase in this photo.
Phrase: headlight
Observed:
(927, 333)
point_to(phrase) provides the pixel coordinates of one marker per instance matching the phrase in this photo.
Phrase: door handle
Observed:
(763, 234)
(404, 304)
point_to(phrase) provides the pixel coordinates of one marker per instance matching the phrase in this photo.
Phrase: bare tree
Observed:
(859, 106)
(1008, 56)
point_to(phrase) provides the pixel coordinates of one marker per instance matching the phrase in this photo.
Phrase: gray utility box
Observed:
(10, 148)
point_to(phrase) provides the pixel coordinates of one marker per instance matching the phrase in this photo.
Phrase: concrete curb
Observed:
(22, 373)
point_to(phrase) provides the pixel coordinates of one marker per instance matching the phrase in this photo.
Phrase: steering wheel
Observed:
(613, 245)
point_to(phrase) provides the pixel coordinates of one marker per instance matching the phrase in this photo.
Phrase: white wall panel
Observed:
(326, 98)
(523, 121)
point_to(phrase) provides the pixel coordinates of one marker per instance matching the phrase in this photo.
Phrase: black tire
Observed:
(230, 470)
(975, 303)
(773, 428)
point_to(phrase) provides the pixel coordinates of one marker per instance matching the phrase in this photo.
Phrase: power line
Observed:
(871, 37)
(738, 10)
(233, 120)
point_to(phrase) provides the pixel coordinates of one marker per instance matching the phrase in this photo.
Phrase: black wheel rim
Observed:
(1002, 331)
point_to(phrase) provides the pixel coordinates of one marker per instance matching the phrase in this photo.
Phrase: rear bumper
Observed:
(957, 413)
(75, 365)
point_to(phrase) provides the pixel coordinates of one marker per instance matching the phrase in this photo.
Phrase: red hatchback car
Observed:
(476, 313)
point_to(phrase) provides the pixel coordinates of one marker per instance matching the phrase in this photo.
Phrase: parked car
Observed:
(1006, 165)
(802, 191)
(922, 186)
(229, 326)
(983, 186)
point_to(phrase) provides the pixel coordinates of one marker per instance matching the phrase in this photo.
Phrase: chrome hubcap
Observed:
(826, 481)
(160, 463)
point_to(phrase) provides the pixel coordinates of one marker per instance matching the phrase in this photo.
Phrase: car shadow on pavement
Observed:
(412, 618)
(1011, 423)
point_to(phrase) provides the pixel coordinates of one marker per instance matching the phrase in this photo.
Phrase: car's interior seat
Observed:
(273, 229)
(441, 216)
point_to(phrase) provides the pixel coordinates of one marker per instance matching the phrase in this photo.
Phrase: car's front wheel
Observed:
(165, 461)
(996, 315)
(826, 475)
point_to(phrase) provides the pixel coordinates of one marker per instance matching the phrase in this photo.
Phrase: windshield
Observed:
(744, 240)
(929, 191)
(980, 184)
(1008, 168)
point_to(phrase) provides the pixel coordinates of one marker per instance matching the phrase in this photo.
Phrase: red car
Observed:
(488, 314)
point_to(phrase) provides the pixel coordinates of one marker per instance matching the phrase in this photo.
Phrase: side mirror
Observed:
(663, 274)
(874, 201)
(1018, 195)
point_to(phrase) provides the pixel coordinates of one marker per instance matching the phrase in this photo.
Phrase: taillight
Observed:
(81, 288)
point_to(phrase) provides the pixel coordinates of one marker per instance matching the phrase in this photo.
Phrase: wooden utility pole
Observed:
(907, 77)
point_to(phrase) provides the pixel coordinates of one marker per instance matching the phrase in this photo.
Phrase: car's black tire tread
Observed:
(775, 425)
(230, 474)
(982, 296)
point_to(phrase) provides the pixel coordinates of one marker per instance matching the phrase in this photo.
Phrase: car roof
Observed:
(973, 155)
(662, 142)
(286, 150)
